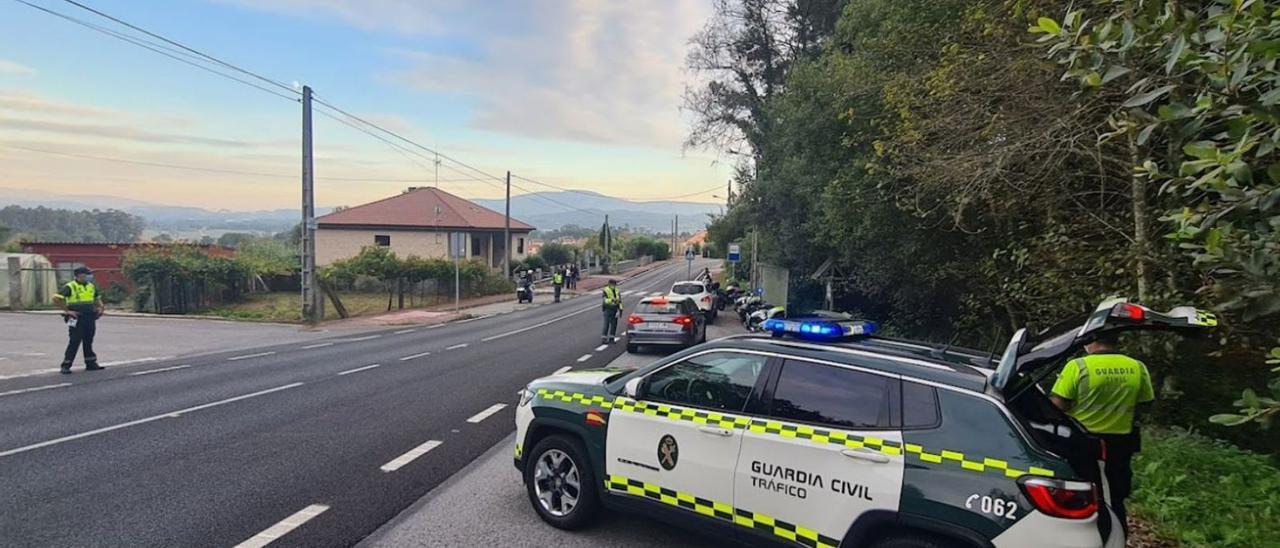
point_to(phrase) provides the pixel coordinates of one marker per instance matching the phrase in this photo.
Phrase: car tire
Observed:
(911, 540)
(632, 348)
(587, 505)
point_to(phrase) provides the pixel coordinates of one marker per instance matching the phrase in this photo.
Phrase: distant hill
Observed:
(545, 210)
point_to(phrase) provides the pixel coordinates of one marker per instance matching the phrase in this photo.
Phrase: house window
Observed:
(475, 246)
(520, 246)
(382, 240)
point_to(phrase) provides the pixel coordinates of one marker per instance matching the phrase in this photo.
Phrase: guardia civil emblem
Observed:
(668, 452)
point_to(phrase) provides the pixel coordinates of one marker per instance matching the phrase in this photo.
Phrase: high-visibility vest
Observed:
(558, 278)
(81, 293)
(611, 296)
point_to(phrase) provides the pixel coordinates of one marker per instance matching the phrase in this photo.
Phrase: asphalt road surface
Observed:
(313, 443)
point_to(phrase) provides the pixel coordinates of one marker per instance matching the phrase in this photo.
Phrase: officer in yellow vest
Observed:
(1104, 390)
(557, 280)
(612, 309)
(81, 307)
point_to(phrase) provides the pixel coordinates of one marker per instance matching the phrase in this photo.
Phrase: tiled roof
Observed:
(423, 207)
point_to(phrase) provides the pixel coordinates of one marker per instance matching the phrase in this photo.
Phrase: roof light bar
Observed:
(820, 328)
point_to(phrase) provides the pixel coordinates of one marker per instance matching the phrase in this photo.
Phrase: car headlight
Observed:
(526, 396)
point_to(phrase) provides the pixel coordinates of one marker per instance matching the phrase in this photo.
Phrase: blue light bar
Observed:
(820, 328)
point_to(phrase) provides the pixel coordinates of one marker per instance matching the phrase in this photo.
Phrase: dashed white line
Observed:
(365, 338)
(601, 348)
(457, 346)
(407, 458)
(162, 369)
(284, 526)
(436, 326)
(359, 369)
(584, 358)
(247, 356)
(318, 345)
(487, 413)
(415, 356)
(562, 369)
(169, 415)
(35, 389)
(537, 325)
(131, 362)
(474, 319)
(403, 331)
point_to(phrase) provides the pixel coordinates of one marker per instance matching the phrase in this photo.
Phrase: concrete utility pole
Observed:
(675, 235)
(506, 233)
(310, 293)
(608, 240)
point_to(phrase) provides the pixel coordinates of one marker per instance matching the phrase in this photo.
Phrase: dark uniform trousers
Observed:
(1118, 468)
(81, 334)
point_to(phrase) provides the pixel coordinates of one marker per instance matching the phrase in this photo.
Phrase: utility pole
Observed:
(675, 236)
(608, 240)
(506, 234)
(310, 295)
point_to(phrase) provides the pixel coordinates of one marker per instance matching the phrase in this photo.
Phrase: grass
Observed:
(287, 307)
(1203, 492)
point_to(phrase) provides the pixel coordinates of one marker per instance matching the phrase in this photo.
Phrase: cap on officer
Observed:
(83, 270)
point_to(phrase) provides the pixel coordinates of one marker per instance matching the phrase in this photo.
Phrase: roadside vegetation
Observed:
(973, 167)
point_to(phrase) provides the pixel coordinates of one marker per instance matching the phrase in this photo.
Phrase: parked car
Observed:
(701, 295)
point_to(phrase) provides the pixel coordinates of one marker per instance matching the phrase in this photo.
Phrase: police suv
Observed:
(827, 435)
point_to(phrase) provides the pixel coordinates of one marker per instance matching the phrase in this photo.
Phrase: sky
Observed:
(581, 94)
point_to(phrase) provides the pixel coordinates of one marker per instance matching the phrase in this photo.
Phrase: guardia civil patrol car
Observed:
(827, 435)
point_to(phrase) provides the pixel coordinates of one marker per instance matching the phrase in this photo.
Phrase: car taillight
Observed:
(706, 299)
(683, 320)
(634, 319)
(1061, 499)
(1129, 311)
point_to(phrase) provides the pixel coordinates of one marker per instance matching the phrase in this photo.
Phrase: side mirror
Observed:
(633, 388)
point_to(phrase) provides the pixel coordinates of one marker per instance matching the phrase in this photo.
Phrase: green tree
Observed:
(556, 254)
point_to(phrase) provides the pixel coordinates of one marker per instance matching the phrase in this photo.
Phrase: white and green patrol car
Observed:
(835, 437)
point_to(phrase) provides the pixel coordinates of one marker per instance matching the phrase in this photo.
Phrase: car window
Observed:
(664, 307)
(687, 289)
(833, 396)
(719, 380)
(919, 406)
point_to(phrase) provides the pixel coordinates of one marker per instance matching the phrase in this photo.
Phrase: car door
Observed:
(699, 320)
(677, 442)
(829, 452)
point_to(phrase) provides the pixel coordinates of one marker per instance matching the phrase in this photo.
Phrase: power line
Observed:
(157, 48)
(185, 47)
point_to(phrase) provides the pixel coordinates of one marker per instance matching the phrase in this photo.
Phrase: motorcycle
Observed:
(524, 293)
(755, 322)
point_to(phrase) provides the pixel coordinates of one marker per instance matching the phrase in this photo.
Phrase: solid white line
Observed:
(457, 346)
(284, 526)
(36, 389)
(415, 356)
(407, 458)
(319, 345)
(359, 369)
(247, 356)
(403, 331)
(584, 358)
(162, 369)
(562, 369)
(601, 348)
(537, 325)
(487, 413)
(169, 415)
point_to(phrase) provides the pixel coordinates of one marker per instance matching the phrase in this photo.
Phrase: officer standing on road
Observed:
(557, 281)
(1103, 390)
(81, 306)
(612, 309)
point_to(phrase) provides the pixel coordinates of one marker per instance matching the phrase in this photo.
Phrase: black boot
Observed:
(66, 369)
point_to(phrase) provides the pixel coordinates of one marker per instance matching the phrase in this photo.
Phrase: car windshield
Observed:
(687, 289)
(661, 307)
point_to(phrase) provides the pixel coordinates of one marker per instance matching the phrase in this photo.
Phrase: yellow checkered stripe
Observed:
(1207, 319)
(816, 435)
(721, 511)
(519, 450)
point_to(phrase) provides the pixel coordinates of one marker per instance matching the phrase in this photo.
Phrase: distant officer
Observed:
(1103, 391)
(612, 309)
(81, 307)
(557, 281)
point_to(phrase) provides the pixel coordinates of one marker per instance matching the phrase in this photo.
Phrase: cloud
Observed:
(15, 69)
(596, 71)
(116, 132)
(25, 101)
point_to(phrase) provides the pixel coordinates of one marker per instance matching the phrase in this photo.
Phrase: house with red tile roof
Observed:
(419, 222)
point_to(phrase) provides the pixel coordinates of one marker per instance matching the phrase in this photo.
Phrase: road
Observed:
(316, 443)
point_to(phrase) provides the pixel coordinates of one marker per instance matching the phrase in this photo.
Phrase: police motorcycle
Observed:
(726, 295)
(746, 305)
(755, 322)
(524, 291)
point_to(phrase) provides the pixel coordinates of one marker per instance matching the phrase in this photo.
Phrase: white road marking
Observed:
(162, 369)
(247, 356)
(584, 358)
(318, 345)
(601, 348)
(474, 319)
(487, 413)
(365, 338)
(457, 346)
(284, 526)
(563, 369)
(139, 360)
(359, 369)
(34, 354)
(407, 458)
(35, 389)
(537, 325)
(436, 326)
(3, 358)
(415, 356)
(403, 331)
(169, 415)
